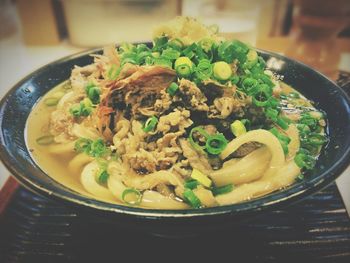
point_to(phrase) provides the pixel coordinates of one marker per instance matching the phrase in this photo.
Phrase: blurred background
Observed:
(36, 32)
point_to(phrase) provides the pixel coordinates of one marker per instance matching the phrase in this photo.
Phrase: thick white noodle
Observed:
(152, 180)
(81, 131)
(264, 137)
(116, 187)
(282, 178)
(88, 180)
(66, 97)
(76, 164)
(249, 168)
(155, 200)
(150, 199)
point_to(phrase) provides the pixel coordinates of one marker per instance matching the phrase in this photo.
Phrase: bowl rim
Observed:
(286, 196)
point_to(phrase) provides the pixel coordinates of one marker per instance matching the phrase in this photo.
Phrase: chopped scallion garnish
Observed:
(150, 124)
(222, 189)
(238, 128)
(216, 144)
(222, 70)
(173, 88)
(201, 178)
(45, 140)
(51, 101)
(191, 184)
(132, 196)
(191, 198)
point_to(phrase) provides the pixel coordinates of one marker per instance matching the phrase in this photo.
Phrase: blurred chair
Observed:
(315, 27)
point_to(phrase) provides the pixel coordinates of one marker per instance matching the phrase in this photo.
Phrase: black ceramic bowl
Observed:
(19, 101)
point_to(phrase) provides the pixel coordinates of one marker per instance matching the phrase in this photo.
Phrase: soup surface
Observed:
(193, 121)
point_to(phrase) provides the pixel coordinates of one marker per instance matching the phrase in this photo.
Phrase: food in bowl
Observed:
(191, 121)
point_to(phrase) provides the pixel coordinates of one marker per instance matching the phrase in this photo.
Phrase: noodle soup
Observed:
(193, 121)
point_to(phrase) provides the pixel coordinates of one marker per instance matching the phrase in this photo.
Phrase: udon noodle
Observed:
(191, 121)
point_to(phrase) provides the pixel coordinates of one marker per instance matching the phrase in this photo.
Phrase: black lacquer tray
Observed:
(35, 229)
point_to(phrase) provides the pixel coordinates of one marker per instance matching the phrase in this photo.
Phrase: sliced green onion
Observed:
(183, 70)
(252, 59)
(159, 43)
(271, 114)
(142, 56)
(150, 124)
(191, 198)
(189, 51)
(132, 196)
(142, 47)
(200, 54)
(216, 144)
(240, 50)
(45, 140)
(102, 177)
(51, 101)
(98, 148)
(238, 128)
(194, 144)
(249, 84)
(282, 123)
(222, 189)
(82, 145)
(155, 54)
(261, 95)
(273, 102)
(226, 51)
(222, 70)
(280, 136)
(191, 184)
(304, 161)
(165, 62)
(201, 178)
(260, 102)
(94, 94)
(176, 44)
(170, 54)
(149, 61)
(307, 119)
(246, 123)
(316, 139)
(265, 79)
(303, 129)
(75, 110)
(173, 88)
(85, 107)
(204, 69)
(183, 61)
(283, 139)
(234, 79)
